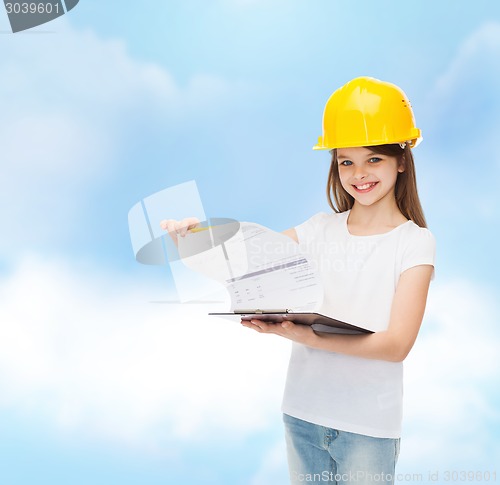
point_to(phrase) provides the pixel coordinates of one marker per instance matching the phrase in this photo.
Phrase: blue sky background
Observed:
(118, 100)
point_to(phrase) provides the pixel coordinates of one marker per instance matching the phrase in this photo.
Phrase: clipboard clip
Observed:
(260, 311)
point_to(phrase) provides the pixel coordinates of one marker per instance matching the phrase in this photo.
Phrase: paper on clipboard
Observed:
(259, 268)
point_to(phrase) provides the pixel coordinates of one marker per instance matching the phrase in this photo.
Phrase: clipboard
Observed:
(302, 318)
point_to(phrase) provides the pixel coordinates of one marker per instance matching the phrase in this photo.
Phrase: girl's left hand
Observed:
(287, 329)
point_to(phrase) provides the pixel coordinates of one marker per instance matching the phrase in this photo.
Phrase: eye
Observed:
(374, 160)
(345, 163)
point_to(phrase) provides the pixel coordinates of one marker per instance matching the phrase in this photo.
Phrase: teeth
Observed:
(365, 186)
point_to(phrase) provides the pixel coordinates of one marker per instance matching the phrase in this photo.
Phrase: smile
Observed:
(365, 187)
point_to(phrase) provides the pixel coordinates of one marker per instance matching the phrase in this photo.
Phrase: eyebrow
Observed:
(369, 154)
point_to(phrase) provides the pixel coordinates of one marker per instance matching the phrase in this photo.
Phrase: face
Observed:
(368, 176)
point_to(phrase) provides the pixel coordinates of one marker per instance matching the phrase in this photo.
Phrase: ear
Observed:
(401, 165)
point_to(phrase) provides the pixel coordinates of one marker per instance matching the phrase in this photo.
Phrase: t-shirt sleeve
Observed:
(307, 231)
(421, 249)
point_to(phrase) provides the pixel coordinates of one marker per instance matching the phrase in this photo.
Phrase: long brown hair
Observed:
(405, 191)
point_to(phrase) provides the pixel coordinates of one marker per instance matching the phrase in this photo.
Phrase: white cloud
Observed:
(90, 354)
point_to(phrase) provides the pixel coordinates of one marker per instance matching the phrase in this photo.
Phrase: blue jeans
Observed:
(323, 455)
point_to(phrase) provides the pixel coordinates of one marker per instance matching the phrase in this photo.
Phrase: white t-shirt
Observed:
(360, 275)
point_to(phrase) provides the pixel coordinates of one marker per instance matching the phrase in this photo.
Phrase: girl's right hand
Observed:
(180, 228)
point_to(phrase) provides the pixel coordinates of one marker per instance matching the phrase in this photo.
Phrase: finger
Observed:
(251, 326)
(173, 225)
(191, 221)
(165, 223)
(169, 226)
(186, 224)
(176, 227)
(266, 327)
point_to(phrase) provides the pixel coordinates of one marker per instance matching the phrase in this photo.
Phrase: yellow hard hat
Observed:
(368, 112)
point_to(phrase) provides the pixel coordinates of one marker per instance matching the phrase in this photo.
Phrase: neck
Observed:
(384, 215)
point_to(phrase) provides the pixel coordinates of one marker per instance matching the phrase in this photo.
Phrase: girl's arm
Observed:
(393, 345)
(175, 228)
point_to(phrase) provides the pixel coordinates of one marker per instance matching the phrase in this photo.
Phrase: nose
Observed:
(359, 172)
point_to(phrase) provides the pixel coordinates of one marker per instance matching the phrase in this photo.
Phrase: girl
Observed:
(343, 396)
